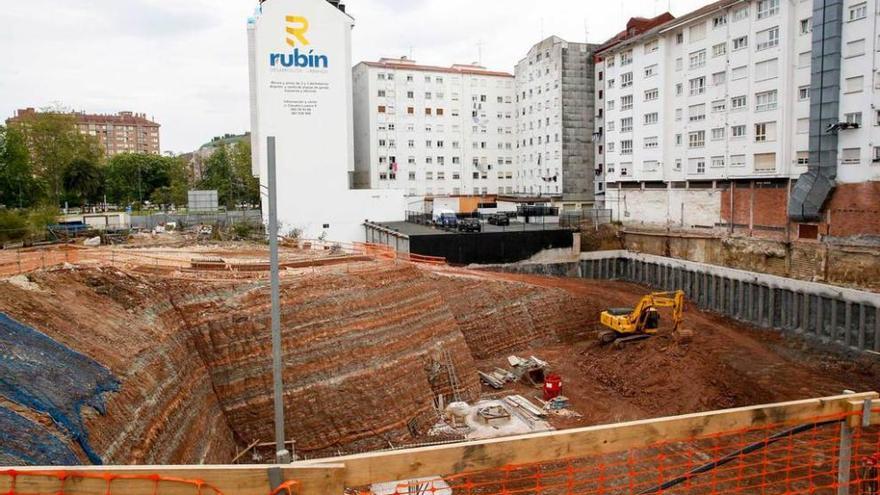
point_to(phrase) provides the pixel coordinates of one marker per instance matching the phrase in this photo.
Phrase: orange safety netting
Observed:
(799, 458)
(19, 482)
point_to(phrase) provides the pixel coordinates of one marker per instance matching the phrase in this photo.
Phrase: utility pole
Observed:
(282, 455)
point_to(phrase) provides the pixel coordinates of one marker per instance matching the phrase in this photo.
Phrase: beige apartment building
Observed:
(124, 132)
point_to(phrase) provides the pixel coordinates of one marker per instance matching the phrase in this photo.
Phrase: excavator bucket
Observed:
(683, 335)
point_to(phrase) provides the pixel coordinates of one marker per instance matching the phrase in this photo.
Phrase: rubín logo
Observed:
(296, 28)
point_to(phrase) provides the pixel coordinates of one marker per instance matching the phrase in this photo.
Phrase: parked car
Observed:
(470, 225)
(499, 219)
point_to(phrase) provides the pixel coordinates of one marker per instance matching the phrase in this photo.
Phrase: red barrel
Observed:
(552, 386)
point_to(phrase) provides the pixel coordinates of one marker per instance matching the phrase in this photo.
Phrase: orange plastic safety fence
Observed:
(154, 482)
(287, 488)
(802, 458)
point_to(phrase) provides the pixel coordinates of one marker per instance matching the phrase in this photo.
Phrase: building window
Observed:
(804, 60)
(719, 49)
(737, 160)
(803, 93)
(717, 134)
(679, 64)
(697, 166)
(740, 14)
(806, 25)
(738, 131)
(678, 139)
(876, 154)
(626, 57)
(859, 11)
(696, 139)
(652, 94)
(765, 101)
(650, 165)
(765, 132)
(679, 89)
(652, 46)
(677, 166)
(719, 78)
(697, 59)
(626, 102)
(626, 80)
(697, 86)
(717, 162)
(651, 142)
(740, 72)
(767, 38)
(765, 162)
(719, 21)
(697, 113)
(855, 84)
(697, 32)
(854, 118)
(803, 157)
(737, 102)
(651, 70)
(855, 48)
(803, 126)
(626, 124)
(768, 69)
(740, 43)
(719, 106)
(678, 114)
(679, 38)
(850, 156)
(626, 147)
(610, 126)
(651, 118)
(767, 8)
(381, 108)
(381, 93)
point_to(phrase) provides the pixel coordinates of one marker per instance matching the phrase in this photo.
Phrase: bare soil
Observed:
(727, 364)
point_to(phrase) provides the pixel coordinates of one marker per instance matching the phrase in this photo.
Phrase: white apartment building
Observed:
(554, 124)
(433, 131)
(724, 93)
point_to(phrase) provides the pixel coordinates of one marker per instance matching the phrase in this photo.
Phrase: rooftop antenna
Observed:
(410, 52)
(586, 32)
(480, 52)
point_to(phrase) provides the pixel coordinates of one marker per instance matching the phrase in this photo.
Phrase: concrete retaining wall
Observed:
(838, 315)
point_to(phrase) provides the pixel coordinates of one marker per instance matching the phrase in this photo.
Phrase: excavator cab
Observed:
(626, 324)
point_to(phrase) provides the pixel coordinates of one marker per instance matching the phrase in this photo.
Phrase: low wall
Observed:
(490, 247)
(846, 317)
(833, 263)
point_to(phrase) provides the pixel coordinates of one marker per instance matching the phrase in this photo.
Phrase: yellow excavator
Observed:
(621, 325)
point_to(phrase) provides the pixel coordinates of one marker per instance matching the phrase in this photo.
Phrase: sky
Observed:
(184, 63)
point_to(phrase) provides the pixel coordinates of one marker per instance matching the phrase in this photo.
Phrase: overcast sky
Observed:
(185, 62)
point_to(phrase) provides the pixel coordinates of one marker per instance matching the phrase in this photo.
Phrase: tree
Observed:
(83, 181)
(228, 170)
(249, 186)
(18, 186)
(53, 143)
(134, 177)
(219, 175)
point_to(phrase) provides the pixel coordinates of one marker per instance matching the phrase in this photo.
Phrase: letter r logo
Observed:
(297, 27)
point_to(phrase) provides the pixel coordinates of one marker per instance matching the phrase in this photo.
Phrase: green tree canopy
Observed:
(53, 143)
(228, 170)
(83, 181)
(135, 177)
(18, 185)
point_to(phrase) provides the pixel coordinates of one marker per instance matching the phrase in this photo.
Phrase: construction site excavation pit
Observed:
(136, 362)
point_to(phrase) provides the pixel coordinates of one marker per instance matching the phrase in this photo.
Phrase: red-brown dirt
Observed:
(364, 354)
(727, 364)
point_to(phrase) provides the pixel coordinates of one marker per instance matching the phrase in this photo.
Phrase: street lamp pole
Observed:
(282, 455)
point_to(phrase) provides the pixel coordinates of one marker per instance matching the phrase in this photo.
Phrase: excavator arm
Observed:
(618, 323)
